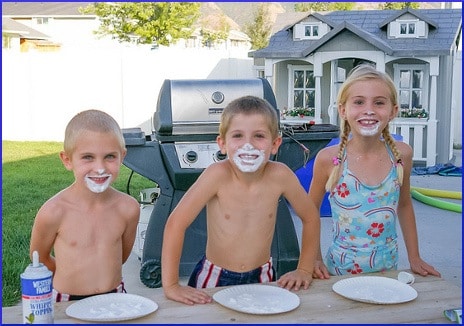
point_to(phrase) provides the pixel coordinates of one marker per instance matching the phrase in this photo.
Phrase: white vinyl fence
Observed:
(41, 92)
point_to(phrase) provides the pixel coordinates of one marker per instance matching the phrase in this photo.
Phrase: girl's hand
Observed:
(420, 267)
(295, 280)
(320, 270)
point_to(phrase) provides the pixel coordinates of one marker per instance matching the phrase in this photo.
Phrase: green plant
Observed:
(299, 112)
(32, 173)
(413, 113)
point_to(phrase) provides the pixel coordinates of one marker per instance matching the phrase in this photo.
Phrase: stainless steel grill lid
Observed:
(188, 107)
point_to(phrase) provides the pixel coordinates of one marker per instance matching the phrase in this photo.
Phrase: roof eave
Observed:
(355, 30)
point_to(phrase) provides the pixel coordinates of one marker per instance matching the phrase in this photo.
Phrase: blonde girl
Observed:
(367, 176)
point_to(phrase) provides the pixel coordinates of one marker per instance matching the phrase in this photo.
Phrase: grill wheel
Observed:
(150, 273)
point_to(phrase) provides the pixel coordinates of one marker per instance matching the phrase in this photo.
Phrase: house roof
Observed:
(12, 27)
(38, 9)
(367, 24)
(411, 11)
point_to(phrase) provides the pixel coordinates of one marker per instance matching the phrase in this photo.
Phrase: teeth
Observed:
(367, 122)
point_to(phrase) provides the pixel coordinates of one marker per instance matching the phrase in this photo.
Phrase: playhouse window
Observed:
(411, 83)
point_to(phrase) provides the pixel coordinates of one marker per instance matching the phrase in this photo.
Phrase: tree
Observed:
(398, 5)
(260, 29)
(145, 22)
(212, 33)
(324, 6)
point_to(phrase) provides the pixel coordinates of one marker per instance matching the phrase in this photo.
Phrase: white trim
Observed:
(291, 69)
(425, 87)
(420, 28)
(299, 30)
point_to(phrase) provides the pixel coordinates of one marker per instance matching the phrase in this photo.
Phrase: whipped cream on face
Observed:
(248, 159)
(368, 127)
(93, 182)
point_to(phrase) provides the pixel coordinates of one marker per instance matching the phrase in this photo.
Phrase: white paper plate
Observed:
(375, 289)
(111, 307)
(257, 299)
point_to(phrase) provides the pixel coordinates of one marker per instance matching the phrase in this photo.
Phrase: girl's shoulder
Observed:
(327, 154)
(405, 149)
(402, 146)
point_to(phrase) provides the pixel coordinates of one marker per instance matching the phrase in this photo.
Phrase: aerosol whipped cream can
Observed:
(37, 293)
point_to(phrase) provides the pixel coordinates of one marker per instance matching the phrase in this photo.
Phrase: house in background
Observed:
(17, 36)
(62, 21)
(311, 54)
(72, 29)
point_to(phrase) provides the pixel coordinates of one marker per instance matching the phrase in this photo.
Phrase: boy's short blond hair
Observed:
(249, 105)
(90, 120)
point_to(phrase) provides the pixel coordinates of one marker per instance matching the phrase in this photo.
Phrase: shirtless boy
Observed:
(85, 233)
(241, 195)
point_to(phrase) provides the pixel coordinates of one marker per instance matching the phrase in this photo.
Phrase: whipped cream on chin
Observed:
(369, 129)
(248, 159)
(95, 186)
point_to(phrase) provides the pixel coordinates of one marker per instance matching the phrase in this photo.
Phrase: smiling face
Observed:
(249, 142)
(95, 160)
(368, 107)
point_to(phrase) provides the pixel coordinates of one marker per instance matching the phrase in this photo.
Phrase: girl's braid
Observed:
(398, 162)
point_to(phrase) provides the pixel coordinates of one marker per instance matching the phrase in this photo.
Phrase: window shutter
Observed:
(420, 29)
(298, 31)
(394, 29)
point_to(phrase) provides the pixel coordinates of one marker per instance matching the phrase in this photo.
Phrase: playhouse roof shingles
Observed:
(370, 25)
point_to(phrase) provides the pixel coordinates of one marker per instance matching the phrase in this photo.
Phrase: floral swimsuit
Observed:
(364, 224)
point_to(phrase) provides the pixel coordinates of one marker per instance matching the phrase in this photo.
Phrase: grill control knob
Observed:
(191, 157)
(219, 156)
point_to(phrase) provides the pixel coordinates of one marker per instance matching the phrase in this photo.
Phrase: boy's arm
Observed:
(309, 215)
(43, 236)
(132, 209)
(193, 201)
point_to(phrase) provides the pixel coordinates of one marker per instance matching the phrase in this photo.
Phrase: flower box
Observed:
(297, 120)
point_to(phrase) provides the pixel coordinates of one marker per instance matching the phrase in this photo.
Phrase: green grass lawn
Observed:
(32, 173)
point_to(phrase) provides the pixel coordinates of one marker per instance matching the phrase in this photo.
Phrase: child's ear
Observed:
(394, 112)
(341, 111)
(275, 145)
(66, 160)
(222, 144)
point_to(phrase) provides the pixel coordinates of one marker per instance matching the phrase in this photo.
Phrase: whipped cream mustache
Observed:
(248, 159)
(370, 129)
(96, 187)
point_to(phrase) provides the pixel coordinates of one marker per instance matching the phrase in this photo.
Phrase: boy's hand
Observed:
(186, 294)
(320, 270)
(295, 280)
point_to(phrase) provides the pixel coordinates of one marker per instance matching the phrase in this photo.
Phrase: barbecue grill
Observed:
(183, 143)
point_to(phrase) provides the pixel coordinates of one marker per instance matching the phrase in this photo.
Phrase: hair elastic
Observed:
(336, 160)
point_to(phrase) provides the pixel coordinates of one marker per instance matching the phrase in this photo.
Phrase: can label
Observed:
(37, 297)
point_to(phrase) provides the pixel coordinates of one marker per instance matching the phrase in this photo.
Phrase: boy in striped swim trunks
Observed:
(241, 195)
